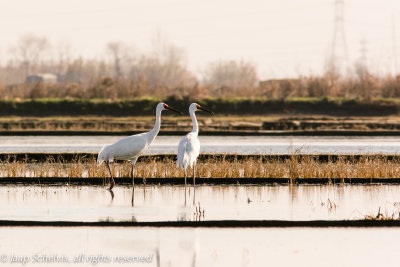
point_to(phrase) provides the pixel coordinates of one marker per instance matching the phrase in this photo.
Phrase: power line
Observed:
(363, 51)
(339, 56)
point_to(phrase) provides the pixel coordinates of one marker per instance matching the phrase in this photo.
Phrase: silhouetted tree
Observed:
(29, 50)
(231, 75)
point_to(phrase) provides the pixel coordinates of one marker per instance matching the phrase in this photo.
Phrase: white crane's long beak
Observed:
(173, 109)
(204, 109)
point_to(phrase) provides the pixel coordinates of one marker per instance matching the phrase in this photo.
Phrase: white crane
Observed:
(189, 146)
(131, 147)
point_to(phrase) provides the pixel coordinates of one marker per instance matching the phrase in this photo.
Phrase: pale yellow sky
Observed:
(283, 38)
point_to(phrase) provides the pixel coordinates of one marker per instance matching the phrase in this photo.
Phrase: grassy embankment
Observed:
(235, 106)
(231, 114)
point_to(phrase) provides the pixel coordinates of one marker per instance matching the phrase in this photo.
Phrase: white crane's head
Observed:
(163, 106)
(195, 107)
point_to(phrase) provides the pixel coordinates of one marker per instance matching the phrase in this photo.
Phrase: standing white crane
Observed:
(131, 147)
(189, 146)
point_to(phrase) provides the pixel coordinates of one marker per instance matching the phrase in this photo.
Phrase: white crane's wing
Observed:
(130, 147)
(125, 149)
(181, 152)
(188, 150)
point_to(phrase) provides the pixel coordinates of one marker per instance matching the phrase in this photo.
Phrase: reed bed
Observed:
(295, 166)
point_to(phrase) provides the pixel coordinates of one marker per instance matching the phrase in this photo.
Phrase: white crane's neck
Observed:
(157, 125)
(194, 121)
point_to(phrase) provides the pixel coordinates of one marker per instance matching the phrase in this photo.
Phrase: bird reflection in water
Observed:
(112, 196)
(191, 212)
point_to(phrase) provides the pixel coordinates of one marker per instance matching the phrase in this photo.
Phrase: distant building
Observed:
(47, 78)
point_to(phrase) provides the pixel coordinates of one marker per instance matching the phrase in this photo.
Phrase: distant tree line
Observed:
(126, 73)
(123, 72)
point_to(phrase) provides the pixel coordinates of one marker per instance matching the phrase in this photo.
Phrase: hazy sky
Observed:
(284, 38)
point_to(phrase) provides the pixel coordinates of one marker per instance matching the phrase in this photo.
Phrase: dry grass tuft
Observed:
(296, 166)
(384, 216)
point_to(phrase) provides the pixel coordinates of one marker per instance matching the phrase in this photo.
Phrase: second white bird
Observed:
(189, 146)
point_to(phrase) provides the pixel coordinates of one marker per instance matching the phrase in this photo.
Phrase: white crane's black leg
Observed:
(194, 174)
(132, 171)
(194, 196)
(133, 180)
(112, 182)
(185, 177)
(185, 196)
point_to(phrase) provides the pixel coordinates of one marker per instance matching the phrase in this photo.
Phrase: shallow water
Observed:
(210, 144)
(111, 246)
(168, 203)
(201, 247)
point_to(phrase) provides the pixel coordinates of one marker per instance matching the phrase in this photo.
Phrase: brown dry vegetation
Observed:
(329, 85)
(332, 85)
(296, 166)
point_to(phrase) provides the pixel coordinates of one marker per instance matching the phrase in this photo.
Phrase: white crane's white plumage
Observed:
(189, 146)
(131, 147)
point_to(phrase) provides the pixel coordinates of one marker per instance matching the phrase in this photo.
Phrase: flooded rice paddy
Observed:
(170, 203)
(149, 246)
(174, 246)
(210, 144)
